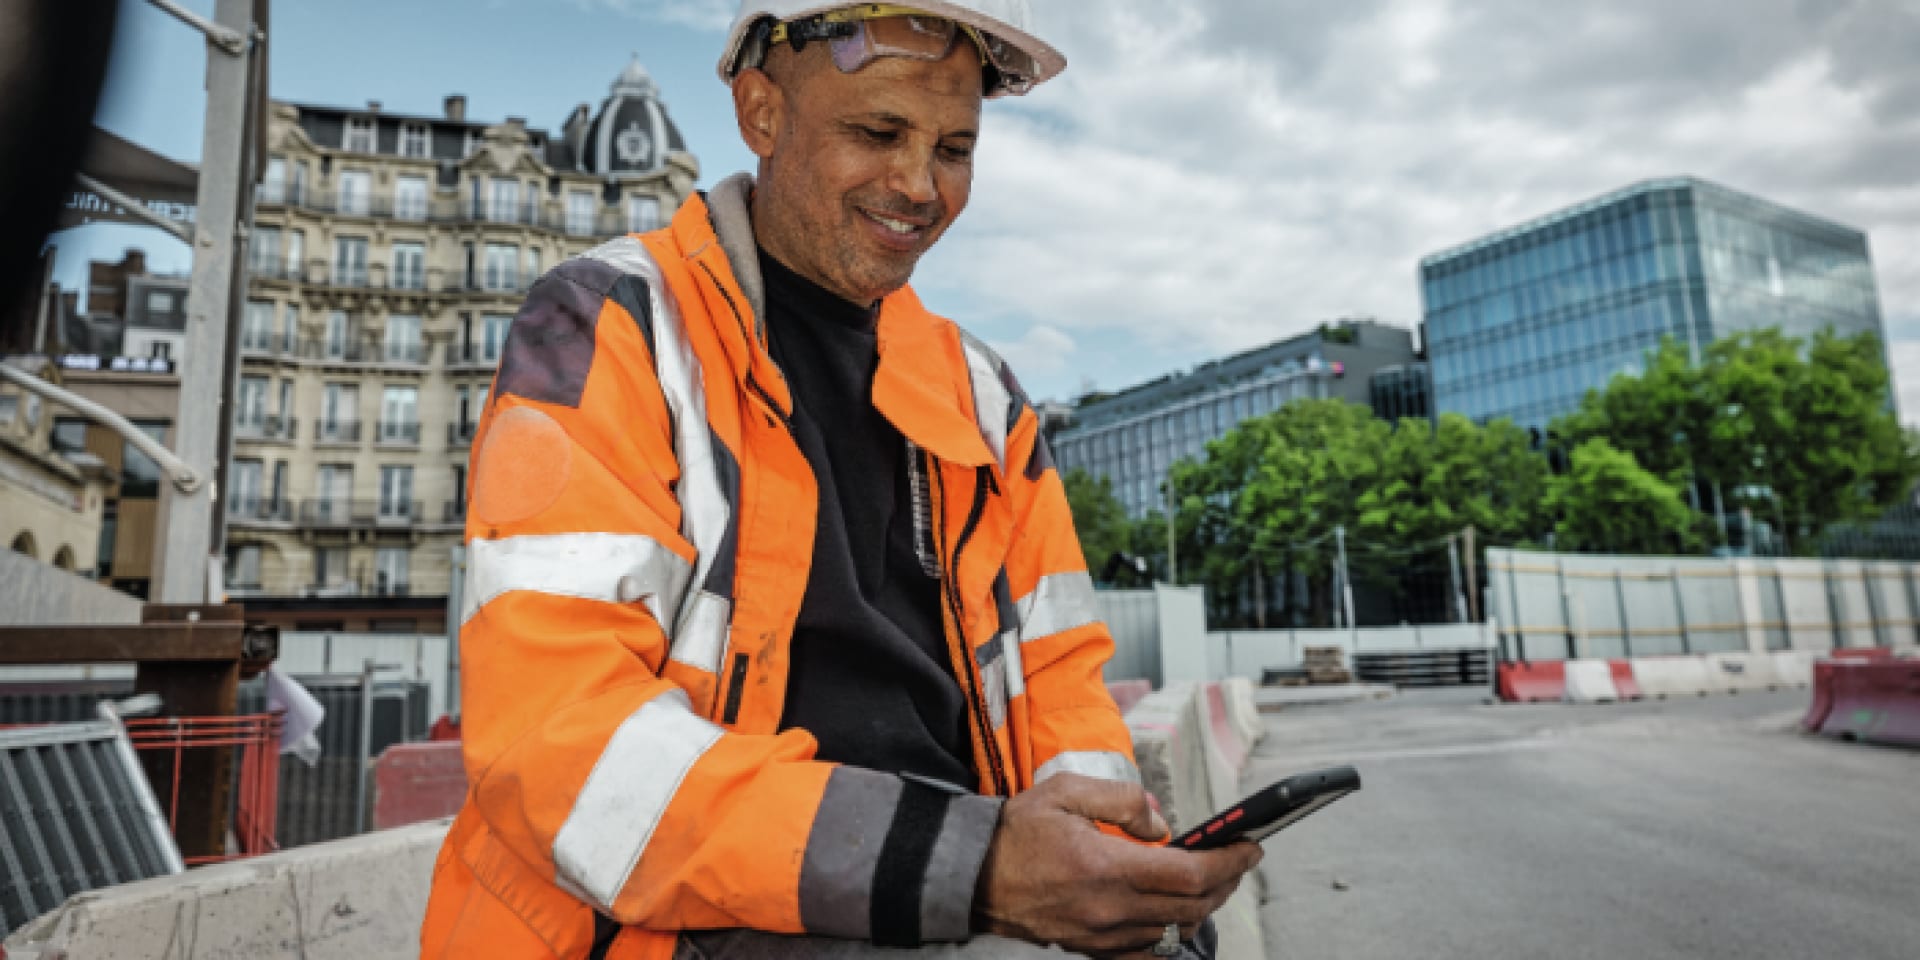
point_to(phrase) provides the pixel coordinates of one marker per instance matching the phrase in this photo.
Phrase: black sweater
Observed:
(870, 675)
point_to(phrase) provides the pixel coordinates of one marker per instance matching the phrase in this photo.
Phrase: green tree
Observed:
(1607, 502)
(1802, 433)
(1098, 517)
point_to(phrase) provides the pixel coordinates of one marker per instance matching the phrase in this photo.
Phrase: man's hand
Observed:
(1052, 877)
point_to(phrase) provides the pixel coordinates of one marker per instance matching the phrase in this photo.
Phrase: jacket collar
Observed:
(921, 384)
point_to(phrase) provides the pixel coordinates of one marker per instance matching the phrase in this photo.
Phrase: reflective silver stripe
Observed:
(1016, 667)
(1098, 764)
(702, 636)
(704, 511)
(991, 400)
(994, 684)
(608, 567)
(1059, 602)
(626, 795)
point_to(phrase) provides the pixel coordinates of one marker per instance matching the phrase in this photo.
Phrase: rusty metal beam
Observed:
(171, 642)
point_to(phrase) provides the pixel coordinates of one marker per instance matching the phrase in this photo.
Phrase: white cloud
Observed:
(1905, 357)
(1041, 350)
(1234, 171)
(699, 14)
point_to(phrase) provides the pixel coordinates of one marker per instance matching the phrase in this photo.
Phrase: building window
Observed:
(493, 334)
(330, 569)
(403, 339)
(415, 141)
(356, 192)
(410, 198)
(500, 266)
(358, 136)
(533, 264)
(296, 253)
(339, 335)
(400, 415)
(70, 433)
(339, 411)
(243, 493)
(396, 493)
(409, 266)
(470, 144)
(273, 186)
(264, 257)
(243, 567)
(503, 200)
(9, 408)
(298, 191)
(390, 571)
(580, 208)
(256, 326)
(643, 214)
(350, 261)
(250, 413)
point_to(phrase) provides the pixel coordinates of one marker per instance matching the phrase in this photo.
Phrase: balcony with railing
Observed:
(542, 213)
(454, 511)
(461, 434)
(337, 431)
(354, 514)
(268, 427)
(398, 433)
(255, 510)
(276, 269)
(471, 356)
(407, 352)
(259, 343)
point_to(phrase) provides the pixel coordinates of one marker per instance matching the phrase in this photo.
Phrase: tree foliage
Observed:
(1607, 502)
(1098, 516)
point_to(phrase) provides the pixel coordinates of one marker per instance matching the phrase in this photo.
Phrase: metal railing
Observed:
(472, 355)
(270, 427)
(541, 214)
(460, 433)
(404, 352)
(455, 512)
(359, 513)
(337, 431)
(399, 432)
(260, 510)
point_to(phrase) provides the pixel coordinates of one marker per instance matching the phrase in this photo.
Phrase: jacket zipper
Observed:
(975, 697)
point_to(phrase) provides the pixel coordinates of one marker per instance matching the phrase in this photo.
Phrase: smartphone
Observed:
(1265, 813)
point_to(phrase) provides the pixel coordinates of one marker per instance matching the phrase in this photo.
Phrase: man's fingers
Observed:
(1122, 804)
(1183, 873)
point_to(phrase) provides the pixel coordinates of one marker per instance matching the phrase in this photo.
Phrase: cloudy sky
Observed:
(1214, 174)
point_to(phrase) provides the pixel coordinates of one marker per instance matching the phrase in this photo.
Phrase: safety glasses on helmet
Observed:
(858, 35)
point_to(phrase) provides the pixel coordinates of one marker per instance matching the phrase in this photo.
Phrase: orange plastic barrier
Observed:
(1232, 746)
(1821, 706)
(1623, 681)
(413, 782)
(1877, 701)
(1521, 681)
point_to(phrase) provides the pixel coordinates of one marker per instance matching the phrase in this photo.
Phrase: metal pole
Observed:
(1513, 601)
(1473, 575)
(182, 476)
(1834, 606)
(1620, 595)
(1453, 573)
(231, 41)
(1173, 552)
(1680, 613)
(1346, 583)
(136, 208)
(184, 548)
(46, 302)
(366, 745)
(456, 600)
(1566, 609)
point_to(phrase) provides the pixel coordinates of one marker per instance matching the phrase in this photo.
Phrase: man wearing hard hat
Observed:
(777, 639)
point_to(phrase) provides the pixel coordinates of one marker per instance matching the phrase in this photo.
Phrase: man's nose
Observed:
(913, 176)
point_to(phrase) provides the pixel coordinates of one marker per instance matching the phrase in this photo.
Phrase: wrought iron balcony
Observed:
(337, 431)
(404, 433)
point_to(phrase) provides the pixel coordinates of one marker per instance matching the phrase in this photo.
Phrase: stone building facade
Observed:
(388, 256)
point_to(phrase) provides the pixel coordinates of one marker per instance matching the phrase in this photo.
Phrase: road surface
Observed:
(1699, 827)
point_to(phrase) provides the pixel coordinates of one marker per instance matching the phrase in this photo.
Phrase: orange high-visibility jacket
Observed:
(638, 539)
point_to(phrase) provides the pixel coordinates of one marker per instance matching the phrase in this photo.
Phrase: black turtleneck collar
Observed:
(788, 292)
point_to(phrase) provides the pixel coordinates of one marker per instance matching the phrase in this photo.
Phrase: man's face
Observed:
(861, 173)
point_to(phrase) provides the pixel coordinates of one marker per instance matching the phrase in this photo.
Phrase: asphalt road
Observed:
(1703, 827)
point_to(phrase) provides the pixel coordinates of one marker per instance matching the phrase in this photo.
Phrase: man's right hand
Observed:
(1052, 877)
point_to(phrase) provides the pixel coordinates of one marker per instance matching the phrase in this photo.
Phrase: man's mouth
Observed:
(897, 231)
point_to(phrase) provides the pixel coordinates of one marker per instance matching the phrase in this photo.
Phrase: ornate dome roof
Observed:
(631, 135)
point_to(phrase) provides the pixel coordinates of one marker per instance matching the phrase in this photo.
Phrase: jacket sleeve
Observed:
(589, 749)
(1063, 645)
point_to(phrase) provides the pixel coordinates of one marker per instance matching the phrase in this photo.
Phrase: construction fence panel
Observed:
(329, 799)
(1133, 616)
(1558, 606)
(415, 658)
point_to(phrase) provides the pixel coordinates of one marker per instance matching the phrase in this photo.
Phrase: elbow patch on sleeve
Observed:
(522, 468)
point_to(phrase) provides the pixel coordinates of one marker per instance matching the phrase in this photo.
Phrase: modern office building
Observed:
(1133, 437)
(1402, 392)
(1523, 322)
(389, 255)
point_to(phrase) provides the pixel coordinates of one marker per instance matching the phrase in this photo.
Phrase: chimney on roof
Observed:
(457, 107)
(373, 106)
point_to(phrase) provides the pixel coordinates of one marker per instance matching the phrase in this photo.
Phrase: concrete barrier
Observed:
(1877, 701)
(1623, 682)
(1672, 676)
(1736, 672)
(1126, 693)
(1589, 681)
(1793, 668)
(1191, 743)
(355, 898)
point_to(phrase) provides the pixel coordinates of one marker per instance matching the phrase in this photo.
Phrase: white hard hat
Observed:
(1008, 20)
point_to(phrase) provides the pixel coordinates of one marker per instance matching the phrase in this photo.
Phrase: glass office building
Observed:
(1135, 436)
(1522, 323)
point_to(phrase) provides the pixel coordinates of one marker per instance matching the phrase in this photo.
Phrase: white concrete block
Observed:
(1590, 681)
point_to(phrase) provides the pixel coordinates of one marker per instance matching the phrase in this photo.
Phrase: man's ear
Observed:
(759, 106)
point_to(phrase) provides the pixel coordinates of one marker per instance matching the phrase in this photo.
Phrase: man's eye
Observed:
(877, 135)
(956, 154)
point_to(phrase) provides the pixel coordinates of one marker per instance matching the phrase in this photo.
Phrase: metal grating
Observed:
(75, 814)
(328, 800)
